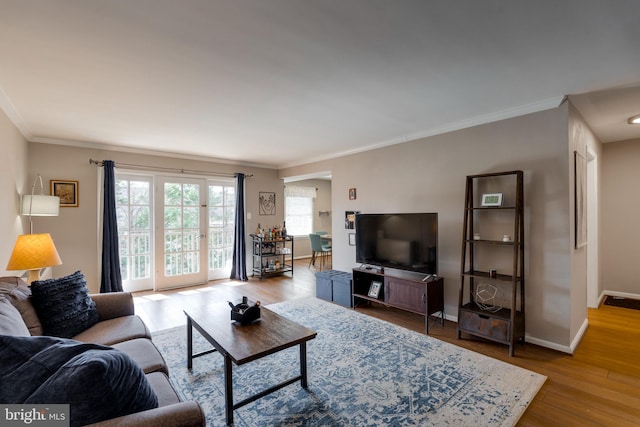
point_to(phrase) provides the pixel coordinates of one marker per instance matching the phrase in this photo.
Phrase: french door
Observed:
(174, 231)
(181, 255)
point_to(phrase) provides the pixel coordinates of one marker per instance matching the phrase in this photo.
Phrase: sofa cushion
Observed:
(64, 305)
(144, 353)
(112, 331)
(97, 382)
(17, 291)
(11, 322)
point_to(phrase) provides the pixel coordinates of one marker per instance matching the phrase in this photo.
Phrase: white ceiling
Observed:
(285, 82)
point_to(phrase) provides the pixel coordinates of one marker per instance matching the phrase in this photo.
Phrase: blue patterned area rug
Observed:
(362, 372)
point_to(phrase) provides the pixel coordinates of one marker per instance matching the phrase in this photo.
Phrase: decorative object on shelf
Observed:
(486, 295)
(350, 219)
(374, 289)
(580, 199)
(506, 238)
(352, 194)
(267, 202)
(476, 236)
(67, 191)
(493, 273)
(491, 200)
(352, 239)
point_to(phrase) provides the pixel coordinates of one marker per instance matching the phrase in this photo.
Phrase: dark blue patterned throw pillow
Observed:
(63, 305)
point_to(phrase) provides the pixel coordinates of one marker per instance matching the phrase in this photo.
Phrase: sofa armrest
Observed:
(114, 304)
(183, 414)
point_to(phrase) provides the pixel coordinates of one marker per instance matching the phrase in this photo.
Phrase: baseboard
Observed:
(548, 344)
(606, 293)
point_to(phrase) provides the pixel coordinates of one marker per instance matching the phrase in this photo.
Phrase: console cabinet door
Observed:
(405, 294)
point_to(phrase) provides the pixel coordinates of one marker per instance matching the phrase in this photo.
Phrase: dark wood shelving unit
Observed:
(505, 325)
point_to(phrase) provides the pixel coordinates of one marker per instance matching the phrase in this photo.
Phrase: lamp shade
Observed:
(40, 205)
(33, 251)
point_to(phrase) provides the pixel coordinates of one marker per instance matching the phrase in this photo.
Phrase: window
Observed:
(299, 209)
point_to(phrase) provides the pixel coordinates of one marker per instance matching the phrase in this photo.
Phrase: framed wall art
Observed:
(267, 203)
(67, 191)
(580, 201)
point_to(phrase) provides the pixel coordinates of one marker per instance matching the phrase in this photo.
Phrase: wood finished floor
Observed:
(598, 386)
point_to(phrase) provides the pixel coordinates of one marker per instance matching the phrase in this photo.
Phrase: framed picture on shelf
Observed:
(491, 200)
(374, 289)
(67, 191)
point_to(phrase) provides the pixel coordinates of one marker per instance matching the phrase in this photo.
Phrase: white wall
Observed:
(581, 138)
(75, 231)
(14, 181)
(620, 225)
(428, 175)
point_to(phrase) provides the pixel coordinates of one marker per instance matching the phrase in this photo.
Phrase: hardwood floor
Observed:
(598, 386)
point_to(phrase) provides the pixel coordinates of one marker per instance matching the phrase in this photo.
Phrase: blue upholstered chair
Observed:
(318, 248)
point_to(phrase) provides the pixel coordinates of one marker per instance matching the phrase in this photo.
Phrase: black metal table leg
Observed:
(228, 389)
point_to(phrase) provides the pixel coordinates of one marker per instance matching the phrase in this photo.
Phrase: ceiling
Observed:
(277, 83)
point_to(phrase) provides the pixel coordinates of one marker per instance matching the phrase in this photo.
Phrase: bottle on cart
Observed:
(284, 228)
(258, 230)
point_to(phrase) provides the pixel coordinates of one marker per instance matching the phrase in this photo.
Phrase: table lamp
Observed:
(33, 252)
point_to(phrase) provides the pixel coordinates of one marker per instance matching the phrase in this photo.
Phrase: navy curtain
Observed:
(239, 267)
(111, 277)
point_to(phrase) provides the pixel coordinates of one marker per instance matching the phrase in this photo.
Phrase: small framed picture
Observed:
(374, 289)
(352, 239)
(67, 191)
(352, 194)
(491, 200)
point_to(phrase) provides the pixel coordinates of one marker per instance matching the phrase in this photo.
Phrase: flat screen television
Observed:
(407, 241)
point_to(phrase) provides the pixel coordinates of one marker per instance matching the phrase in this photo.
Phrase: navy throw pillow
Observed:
(97, 382)
(63, 305)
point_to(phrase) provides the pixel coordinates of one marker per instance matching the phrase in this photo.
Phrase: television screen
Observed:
(406, 241)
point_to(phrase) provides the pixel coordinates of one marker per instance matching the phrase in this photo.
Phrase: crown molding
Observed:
(534, 107)
(125, 149)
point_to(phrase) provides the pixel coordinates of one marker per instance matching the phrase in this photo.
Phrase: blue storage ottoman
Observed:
(323, 284)
(341, 287)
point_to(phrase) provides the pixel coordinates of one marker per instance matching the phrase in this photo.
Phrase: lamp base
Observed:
(33, 275)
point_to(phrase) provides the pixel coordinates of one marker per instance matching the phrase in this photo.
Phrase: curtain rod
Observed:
(160, 168)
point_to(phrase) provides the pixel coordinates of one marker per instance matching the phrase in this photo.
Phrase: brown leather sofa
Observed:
(120, 328)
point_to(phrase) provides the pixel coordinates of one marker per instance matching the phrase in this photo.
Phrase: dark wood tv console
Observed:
(425, 297)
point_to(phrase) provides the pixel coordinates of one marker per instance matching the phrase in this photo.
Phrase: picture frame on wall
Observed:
(67, 191)
(352, 239)
(352, 194)
(350, 219)
(267, 203)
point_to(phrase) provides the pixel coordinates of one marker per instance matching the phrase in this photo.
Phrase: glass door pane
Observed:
(133, 210)
(221, 208)
(181, 233)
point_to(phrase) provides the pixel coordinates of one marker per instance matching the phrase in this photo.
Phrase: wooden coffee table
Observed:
(241, 344)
